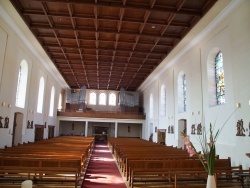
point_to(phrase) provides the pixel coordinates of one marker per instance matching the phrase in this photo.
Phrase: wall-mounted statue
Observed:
(199, 129)
(249, 129)
(240, 128)
(31, 124)
(193, 129)
(6, 122)
(172, 129)
(28, 124)
(1, 124)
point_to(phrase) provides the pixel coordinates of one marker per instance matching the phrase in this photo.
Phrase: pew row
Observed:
(58, 160)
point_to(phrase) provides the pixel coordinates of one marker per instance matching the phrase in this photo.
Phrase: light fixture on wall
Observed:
(192, 113)
(9, 105)
(3, 104)
(198, 112)
(238, 105)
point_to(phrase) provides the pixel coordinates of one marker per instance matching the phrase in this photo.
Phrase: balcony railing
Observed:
(101, 114)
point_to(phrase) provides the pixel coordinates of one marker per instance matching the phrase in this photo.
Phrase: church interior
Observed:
(146, 83)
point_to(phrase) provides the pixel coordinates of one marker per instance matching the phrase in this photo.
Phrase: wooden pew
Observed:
(54, 160)
(185, 172)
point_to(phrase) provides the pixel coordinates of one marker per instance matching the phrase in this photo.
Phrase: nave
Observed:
(76, 161)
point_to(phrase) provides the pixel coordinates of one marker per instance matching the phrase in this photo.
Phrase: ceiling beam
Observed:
(131, 5)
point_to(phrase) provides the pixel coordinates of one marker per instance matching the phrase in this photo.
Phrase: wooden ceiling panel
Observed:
(27, 5)
(53, 6)
(109, 44)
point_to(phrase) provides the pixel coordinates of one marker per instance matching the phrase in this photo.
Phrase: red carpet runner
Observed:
(102, 171)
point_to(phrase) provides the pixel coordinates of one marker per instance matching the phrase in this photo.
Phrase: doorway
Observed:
(17, 128)
(39, 130)
(182, 127)
(100, 133)
(161, 136)
(51, 131)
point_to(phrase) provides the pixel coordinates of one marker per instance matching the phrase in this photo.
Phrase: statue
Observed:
(172, 129)
(31, 125)
(28, 124)
(6, 122)
(1, 124)
(169, 129)
(193, 129)
(240, 128)
(249, 128)
(199, 129)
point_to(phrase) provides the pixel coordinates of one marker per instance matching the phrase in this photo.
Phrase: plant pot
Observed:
(211, 181)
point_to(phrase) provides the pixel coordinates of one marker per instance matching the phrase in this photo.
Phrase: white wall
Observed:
(231, 35)
(129, 130)
(15, 46)
(67, 127)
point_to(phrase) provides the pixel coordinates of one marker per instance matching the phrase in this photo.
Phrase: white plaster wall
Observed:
(10, 58)
(135, 130)
(231, 35)
(66, 127)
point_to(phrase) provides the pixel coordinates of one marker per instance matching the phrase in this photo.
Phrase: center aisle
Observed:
(102, 171)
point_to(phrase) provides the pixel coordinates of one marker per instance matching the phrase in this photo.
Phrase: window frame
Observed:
(92, 99)
(115, 99)
(40, 95)
(22, 81)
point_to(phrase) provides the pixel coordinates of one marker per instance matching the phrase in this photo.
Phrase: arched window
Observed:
(184, 87)
(92, 98)
(182, 93)
(219, 79)
(52, 99)
(102, 99)
(151, 106)
(22, 84)
(163, 100)
(40, 96)
(112, 99)
(59, 107)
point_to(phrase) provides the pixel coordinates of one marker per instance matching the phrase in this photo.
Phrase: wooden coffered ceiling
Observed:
(109, 44)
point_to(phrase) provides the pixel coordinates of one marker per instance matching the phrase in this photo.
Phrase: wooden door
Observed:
(39, 130)
(51, 131)
(161, 136)
(14, 129)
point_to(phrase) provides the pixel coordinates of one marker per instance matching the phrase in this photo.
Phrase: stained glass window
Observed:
(219, 78)
(184, 84)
